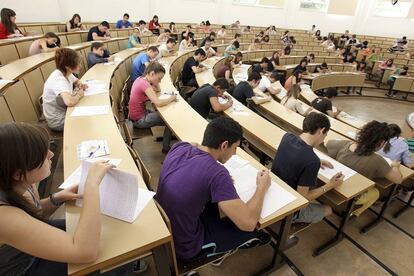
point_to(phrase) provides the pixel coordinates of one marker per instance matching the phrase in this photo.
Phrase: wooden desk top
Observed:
(189, 126)
(120, 241)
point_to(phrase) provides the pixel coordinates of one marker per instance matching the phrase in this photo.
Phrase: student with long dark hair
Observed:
(8, 28)
(75, 24)
(154, 25)
(48, 43)
(396, 148)
(31, 243)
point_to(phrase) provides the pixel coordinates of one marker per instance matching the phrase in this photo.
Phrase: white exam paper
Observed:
(90, 110)
(337, 167)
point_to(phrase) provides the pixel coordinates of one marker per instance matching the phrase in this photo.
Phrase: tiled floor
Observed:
(385, 244)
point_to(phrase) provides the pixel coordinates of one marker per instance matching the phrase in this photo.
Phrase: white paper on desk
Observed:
(116, 60)
(222, 100)
(75, 177)
(120, 196)
(90, 110)
(240, 77)
(92, 149)
(4, 82)
(96, 88)
(164, 96)
(351, 134)
(337, 167)
(245, 183)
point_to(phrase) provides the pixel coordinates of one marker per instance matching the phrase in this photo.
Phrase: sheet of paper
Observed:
(235, 162)
(90, 110)
(75, 177)
(245, 183)
(4, 82)
(120, 196)
(351, 134)
(338, 167)
(222, 100)
(92, 149)
(96, 88)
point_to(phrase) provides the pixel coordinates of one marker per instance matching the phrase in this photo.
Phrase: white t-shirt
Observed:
(210, 50)
(163, 50)
(293, 105)
(221, 34)
(54, 108)
(183, 45)
(264, 84)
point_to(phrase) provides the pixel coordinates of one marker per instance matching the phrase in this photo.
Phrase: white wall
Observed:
(218, 11)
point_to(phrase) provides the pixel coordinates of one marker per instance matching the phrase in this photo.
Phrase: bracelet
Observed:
(53, 200)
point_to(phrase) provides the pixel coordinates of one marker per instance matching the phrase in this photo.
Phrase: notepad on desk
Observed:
(244, 176)
(120, 196)
(96, 88)
(92, 149)
(90, 110)
(337, 167)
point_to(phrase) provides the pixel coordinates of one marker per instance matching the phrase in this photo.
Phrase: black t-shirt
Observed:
(95, 30)
(322, 105)
(300, 68)
(242, 92)
(296, 163)
(188, 73)
(349, 60)
(189, 33)
(200, 100)
(203, 42)
(257, 68)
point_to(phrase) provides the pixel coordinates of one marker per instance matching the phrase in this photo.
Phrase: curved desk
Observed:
(321, 81)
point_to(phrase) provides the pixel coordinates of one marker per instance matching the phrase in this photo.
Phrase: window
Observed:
(387, 9)
(314, 5)
(261, 3)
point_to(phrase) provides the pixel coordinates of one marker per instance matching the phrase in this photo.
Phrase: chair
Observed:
(185, 91)
(146, 175)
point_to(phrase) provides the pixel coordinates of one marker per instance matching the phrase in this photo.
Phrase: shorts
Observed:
(312, 213)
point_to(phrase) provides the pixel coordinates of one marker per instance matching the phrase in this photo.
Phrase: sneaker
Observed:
(219, 261)
(263, 238)
(140, 266)
(192, 273)
(166, 150)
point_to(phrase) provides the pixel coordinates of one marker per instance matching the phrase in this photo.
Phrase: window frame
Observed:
(375, 14)
(256, 5)
(313, 10)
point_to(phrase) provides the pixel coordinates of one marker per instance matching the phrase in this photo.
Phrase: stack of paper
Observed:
(244, 176)
(90, 110)
(120, 196)
(337, 167)
(95, 87)
(92, 149)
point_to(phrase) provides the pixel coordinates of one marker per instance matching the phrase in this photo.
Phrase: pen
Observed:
(92, 152)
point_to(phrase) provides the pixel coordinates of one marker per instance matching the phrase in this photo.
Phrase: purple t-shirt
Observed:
(189, 179)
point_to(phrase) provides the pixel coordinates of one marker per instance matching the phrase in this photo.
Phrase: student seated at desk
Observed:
(124, 22)
(207, 27)
(274, 61)
(167, 49)
(400, 45)
(143, 91)
(164, 36)
(222, 32)
(323, 68)
(48, 43)
(312, 31)
(192, 66)
(295, 78)
(324, 104)
(253, 45)
(291, 101)
(31, 242)
(141, 62)
(265, 39)
(225, 70)
(265, 84)
(389, 63)
(211, 37)
(410, 55)
(8, 27)
(271, 30)
(297, 164)
(100, 32)
(142, 28)
(134, 41)
(349, 58)
(75, 24)
(186, 44)
(235, 25)
(98, 54)
(361, 156)
(361, 67)
(205, 98)
(353, 41)
(196, 171)
(244, 90)
(396, 148)
(154, 25)
(391, 79)
(261, 67)
(246, 30)
(317, 35)
(232, 49)
(302, 66)
(208, 49)
(62, 89)
(172, 28)
(187, 32)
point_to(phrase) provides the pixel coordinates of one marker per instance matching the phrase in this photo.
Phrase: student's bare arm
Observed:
(95, 37)
(157, 101)
(197, 69)
(71, 99)
(313, 194)
(218, 107)
(394, 175)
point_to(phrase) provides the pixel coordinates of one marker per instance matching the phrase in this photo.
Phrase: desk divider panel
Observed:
(5, 113)
(34, 85)
(20, 104)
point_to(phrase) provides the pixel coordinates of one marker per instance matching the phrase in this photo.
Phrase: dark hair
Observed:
(274, 76)
(171, 40)
(27, 148)
(254, 76)
(265, 60)
(222, 83)
(395, 131)
(331, 92)
(236, 44)
(223, 26)
(105, 24)
(66, 57)
(369, 137)
(207, 40)
(239, 55)
(222, 129)
(256, 40)
(212, 33)
(96, 45)
(167, 31)
(405, 68)
(154, 66)
(296, 73)
(315, 121)
(155, 16)
(53, 35)
(153, 49)
(72, 21)
(142, 22)
(236, 35)
(125, 14)
(5, 14)
(324, 65)
(293, 92)
(208, 23)
(171, 24)
(200, 51)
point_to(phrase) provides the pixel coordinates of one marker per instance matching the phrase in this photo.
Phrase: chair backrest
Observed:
(141, 167)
